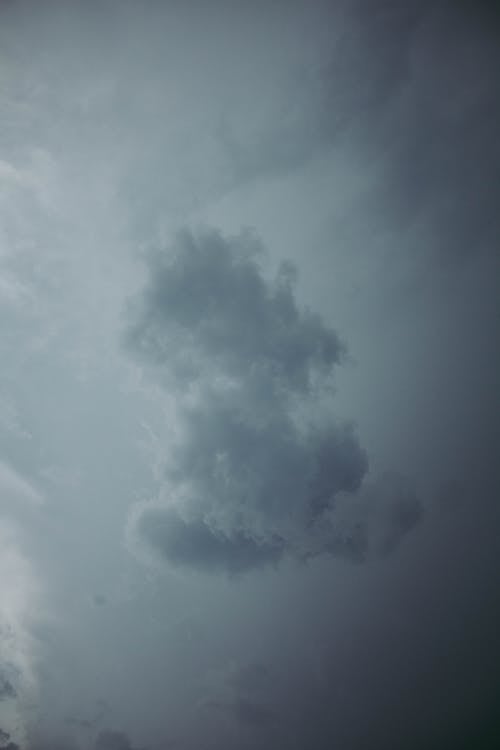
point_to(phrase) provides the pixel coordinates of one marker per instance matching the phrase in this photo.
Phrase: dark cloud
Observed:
(7, 690)
(442, 132)
(259, 460)
(209, 303)
(368, 65)
(248, 712)
(422, 669)
(372, 524)
(4, 741)
(253, 713)
(411, 89)
(53, 743)
(432, 125)
(250, 678)
(245, 695)
(196, 543)
(112, 740)
(107, 739)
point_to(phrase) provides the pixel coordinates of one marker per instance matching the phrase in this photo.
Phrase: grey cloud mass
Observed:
(260, 459)
(243, 695)
(107, 739)
(5, 743)
(7, 690)
(112, 740)
(211, 301)
(394, 83)
(247, 503)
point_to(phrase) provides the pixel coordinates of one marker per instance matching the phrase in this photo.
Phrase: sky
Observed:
(249, 431)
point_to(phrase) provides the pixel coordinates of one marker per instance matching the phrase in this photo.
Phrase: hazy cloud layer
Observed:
(359, 139)
(260, 460)
(7, 690)
(397, 79)
(107, 739)
(20, 609)
(242, 693)
(5, 743)
(112, 740)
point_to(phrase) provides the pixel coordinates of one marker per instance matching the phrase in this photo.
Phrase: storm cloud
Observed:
(241, 506)
(7, 690)
(112, 740)
(5, 743)
(260, 459)
(107, 739)
(390, 90)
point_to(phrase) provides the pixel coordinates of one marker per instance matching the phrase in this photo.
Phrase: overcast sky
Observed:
(249, 375)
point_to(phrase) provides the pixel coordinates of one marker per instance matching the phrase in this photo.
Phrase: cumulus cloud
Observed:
(258, 460)
(209, 304)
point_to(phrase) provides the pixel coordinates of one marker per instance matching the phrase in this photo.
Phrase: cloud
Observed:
(367, 64)
(53, 743)
(14, 485)
(242, 692)
(197, 543)
(372, 524)
(435, 172)
(209, 303)
(250, 678)
(258, 459)
(409, 90)
(245, 711)
(20, 610)
(5, 744)
(111, 740)
(107, 739)
(7, 690)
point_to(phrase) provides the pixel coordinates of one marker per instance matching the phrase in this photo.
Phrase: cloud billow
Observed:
(258, 461)
(210, 305)
(7, 690)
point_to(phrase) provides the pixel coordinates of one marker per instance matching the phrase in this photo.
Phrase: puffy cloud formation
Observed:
(208, 306)
(258, 460)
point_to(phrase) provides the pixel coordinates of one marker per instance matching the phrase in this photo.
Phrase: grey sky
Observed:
(249, 405)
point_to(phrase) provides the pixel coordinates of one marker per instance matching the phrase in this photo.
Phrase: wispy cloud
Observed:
(14, 486)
